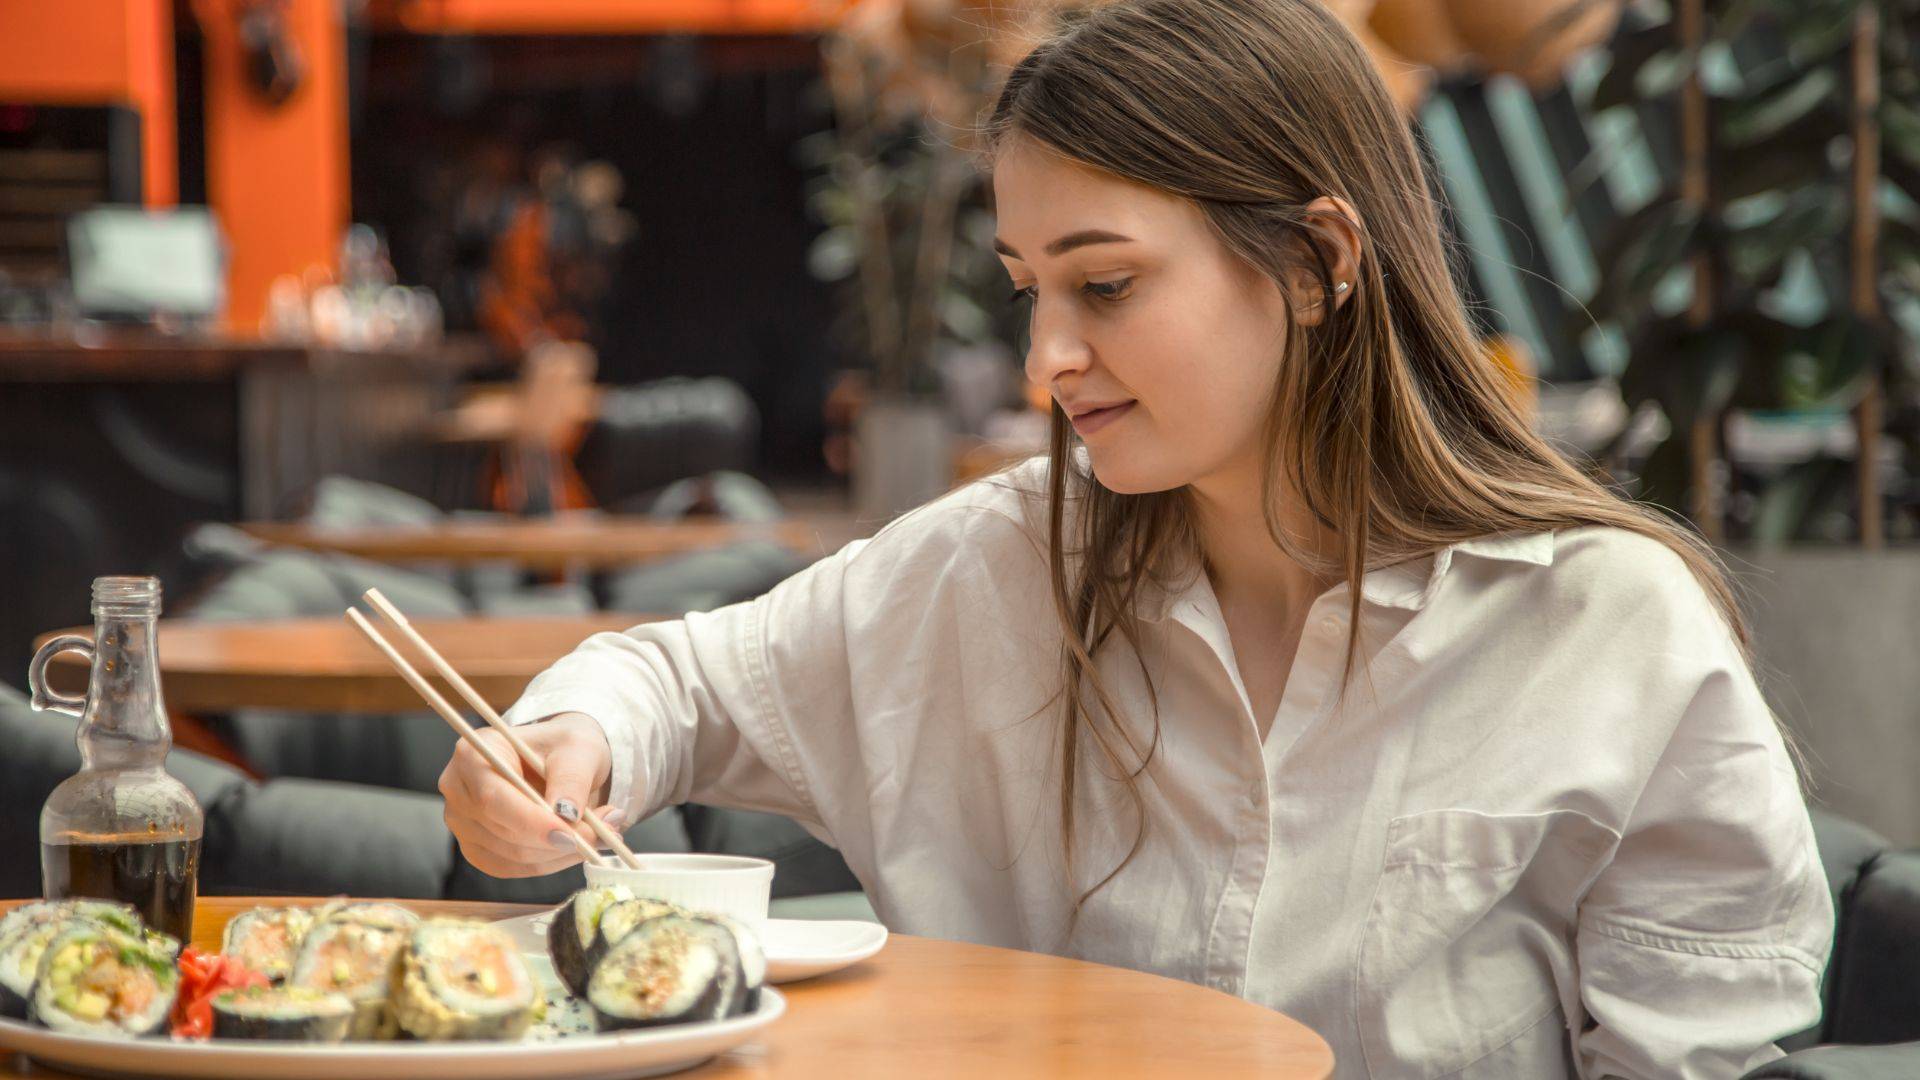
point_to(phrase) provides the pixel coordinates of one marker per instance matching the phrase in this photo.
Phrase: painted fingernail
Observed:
(566, 811)
(560, 840)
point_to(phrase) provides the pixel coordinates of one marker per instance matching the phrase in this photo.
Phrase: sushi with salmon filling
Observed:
(358, 961)
(267, 939)
(671, 970)
(461, 979)
(384, 916)
(284, 1013)
(94, 980)
(24, 940)
(573, 935)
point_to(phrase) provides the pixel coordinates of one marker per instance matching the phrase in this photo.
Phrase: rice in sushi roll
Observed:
(289, 1014)
(462, 979)
(95, 980)
(384, 916)
(575, 931)
(753, 960)
(267, 939)
(27, 930)
(670, 970)
(354, 959)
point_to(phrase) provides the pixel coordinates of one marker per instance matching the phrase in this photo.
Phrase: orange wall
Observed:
(99, 52)
(276, 174)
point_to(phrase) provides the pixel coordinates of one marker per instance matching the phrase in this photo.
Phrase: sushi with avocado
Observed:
(95, 980)
(354, 959)
(462, 979)
(266, 939)
(27, 930)
(573, 935)
(669, 970)
(283, 1013)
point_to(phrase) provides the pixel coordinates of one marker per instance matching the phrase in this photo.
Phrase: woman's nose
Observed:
(1055, 348)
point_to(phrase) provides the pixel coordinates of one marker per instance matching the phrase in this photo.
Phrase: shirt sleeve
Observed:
(687, 705)
(1704, 939)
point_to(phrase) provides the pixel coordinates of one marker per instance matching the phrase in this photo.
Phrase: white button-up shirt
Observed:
(1550, 829)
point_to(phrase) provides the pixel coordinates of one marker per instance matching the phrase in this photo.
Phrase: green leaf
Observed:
(1630, 52)
(1793, 157)
(1690, 372)
(1811, 217)
(1762, 116)
(1645, 246)
(1789, 505)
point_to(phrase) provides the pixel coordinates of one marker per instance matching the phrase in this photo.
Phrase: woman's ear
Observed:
(1335, 232)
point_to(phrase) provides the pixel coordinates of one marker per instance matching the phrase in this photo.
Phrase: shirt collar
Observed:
(1408, 585)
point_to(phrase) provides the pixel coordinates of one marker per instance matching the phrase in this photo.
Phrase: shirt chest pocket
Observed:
(1467, 946)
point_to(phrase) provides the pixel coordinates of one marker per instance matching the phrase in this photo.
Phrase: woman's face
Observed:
(1158, 342)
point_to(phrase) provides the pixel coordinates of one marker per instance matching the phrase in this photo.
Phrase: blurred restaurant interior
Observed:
(552, 316)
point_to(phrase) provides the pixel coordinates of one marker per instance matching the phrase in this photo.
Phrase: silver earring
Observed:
(1341, 286)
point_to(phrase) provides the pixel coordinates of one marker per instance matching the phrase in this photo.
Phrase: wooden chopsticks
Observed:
(459, 724)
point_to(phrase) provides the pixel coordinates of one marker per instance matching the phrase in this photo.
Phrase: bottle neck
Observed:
(125, 725)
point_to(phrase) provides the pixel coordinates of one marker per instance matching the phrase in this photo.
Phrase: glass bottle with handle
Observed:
(121, 828)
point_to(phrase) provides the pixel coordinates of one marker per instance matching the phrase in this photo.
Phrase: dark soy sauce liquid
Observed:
(158, 877)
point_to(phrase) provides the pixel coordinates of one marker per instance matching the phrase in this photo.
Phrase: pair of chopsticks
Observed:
(459, 724)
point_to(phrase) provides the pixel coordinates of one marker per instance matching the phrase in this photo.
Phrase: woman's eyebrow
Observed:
(1068, 242)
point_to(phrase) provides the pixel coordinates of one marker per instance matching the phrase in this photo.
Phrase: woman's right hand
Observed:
(500, 831)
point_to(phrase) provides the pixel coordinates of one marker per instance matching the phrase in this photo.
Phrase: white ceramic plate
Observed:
(577, 1057)
(796, 948)
(802, 948)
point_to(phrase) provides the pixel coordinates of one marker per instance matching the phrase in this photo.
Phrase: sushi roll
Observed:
(575, 927)
(356, 960)
(462, 979)
(266, 939)
(670, 970)
(95, 980)
(20, 953)
(24, 940)
(289, 1014)
(621, 919)
(753, 960)
(384, 916)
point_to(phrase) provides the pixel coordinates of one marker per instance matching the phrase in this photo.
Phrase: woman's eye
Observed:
(1110, 290)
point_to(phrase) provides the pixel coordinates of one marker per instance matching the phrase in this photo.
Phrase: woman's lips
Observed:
(1089, 422)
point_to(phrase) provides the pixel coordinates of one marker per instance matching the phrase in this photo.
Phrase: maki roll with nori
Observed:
(286, 1013)
(621, 919)
(383, 916)
(95, 980)
(267, 939)
(753, 960)
(461, 979)
(670, 970)
(20, 953)
(356, 960)
(572, 935)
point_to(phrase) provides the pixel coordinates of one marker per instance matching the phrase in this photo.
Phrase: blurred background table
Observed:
(324, 665)
(946, 1008)
(558, 543)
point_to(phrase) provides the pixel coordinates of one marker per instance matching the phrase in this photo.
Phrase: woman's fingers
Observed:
(502, 857)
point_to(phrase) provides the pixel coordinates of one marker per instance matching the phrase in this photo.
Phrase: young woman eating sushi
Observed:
(1301, 667)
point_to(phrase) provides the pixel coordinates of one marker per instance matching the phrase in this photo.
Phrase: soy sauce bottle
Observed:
(121, 828)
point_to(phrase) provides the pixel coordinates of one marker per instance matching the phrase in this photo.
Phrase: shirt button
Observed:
(1330, 623)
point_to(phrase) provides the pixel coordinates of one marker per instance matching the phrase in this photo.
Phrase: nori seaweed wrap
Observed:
(463, 979)
(575, 929)
(290, 1014)
(95, 980)
(670, 970)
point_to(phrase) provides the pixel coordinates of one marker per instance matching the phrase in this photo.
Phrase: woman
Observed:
(1370, 707)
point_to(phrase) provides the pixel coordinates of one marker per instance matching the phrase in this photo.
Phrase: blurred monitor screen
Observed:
(130, 262)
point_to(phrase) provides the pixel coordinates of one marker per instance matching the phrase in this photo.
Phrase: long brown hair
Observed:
(1390, 424)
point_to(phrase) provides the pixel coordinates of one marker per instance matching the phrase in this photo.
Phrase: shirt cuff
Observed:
(607, 712)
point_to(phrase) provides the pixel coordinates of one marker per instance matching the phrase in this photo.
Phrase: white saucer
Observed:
(796, 948)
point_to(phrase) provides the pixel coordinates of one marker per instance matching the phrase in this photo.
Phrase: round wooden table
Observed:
(324, 665)
(596, 541)
(941, 1008)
